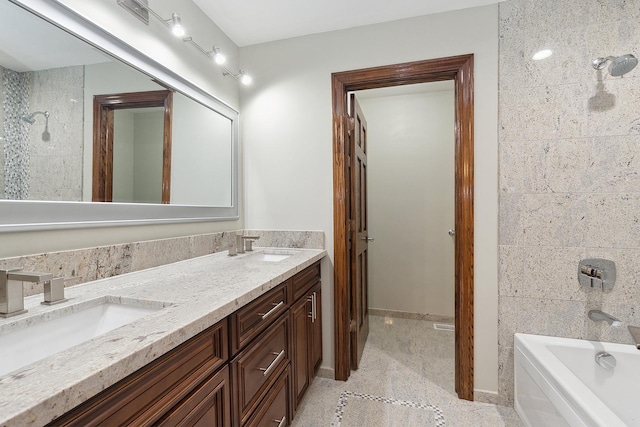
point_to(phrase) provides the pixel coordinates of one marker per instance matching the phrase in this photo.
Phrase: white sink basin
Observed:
(272, 255)
(41, 336)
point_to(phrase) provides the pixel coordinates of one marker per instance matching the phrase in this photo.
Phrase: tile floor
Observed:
(404, 360)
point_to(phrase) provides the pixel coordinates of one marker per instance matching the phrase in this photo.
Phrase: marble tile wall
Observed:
(57, 146)
(1, 135)
(569, 147)
(15, 105)
(84, 265)
(43, 160)
(288, 239)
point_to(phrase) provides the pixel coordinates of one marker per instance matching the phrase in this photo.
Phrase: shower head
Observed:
(620, 65)
(31, 118)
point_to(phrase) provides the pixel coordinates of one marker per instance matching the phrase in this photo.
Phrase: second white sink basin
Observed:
(50, 333)
(272, 255)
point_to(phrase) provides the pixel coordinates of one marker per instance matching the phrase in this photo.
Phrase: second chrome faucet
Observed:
(242, 244)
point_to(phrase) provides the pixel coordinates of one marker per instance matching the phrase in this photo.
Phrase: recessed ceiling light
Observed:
(542, 54)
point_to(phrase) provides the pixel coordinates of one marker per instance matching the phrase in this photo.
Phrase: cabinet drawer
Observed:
(302, 281)
(253, 318)
(144, 396)
(208, 406)
(257, 367)
(274, 410)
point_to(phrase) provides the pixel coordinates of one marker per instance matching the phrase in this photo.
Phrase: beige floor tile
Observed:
(404, 360)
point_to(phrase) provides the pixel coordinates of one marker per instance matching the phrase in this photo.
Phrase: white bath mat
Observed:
(444, 327)
(360, 409)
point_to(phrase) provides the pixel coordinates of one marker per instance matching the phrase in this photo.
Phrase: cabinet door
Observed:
(208, 406)
(300, 317)
(315, 334)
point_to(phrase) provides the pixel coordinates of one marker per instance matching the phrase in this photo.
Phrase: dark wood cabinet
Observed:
(315, 340)
(274, 410)
(144, 397)
(256, 368)
(249, 321)
(250, 369)
(306, 331)
(207, 406)
(300, 312)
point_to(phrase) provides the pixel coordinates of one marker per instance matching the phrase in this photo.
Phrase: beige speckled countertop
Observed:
(196, 294)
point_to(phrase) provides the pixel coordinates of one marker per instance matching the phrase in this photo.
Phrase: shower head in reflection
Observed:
(620, 65)
(31, 118)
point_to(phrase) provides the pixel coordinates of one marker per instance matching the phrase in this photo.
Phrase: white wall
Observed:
(103, 79)
(147, 156)
(200, 166)
(410, 173)
(286, 130)
(123, 139)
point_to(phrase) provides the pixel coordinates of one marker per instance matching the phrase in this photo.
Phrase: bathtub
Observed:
(558, 383)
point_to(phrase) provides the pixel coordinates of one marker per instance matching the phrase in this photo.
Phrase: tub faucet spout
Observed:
(599, 316)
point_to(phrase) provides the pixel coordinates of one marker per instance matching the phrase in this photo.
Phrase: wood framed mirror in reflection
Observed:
(59, 150)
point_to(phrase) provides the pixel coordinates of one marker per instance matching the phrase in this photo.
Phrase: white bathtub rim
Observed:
(567, 384)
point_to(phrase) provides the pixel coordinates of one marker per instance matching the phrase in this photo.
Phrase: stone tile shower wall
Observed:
(569, 144)
(16, 158)
(1, 134)
(57, 144)
(43, 160)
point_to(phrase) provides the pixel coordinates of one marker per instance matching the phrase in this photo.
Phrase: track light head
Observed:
(176, 25)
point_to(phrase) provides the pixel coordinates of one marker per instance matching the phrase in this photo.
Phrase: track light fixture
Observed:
(176, 25)
(141, 10)
(218, 56)
(214, 54)
(242, 76)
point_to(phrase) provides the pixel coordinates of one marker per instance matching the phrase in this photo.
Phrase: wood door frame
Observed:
(103, 108)
(460, 70)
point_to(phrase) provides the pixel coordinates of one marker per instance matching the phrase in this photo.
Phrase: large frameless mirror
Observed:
(97, 134)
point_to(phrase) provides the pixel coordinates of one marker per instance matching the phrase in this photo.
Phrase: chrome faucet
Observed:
(248, 242)
(599, 316)
(242, 244)
(12, 291)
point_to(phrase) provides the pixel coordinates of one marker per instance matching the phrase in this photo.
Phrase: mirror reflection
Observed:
(49, 82)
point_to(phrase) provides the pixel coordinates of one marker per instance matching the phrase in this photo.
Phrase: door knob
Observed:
(452, 232)
(368, 239)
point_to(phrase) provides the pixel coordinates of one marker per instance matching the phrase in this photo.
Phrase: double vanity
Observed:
(213, 340)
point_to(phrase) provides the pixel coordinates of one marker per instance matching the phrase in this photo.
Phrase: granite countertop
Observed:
(195, 294)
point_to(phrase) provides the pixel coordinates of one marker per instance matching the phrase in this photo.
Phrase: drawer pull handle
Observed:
(266, 371)
(315, 308)
(313, 315)
(273, 310)
(281, 422)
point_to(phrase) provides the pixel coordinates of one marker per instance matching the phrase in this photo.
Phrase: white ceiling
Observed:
(249, 22)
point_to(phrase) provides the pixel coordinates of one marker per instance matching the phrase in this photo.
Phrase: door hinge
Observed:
(351, 124)
(352, 325)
